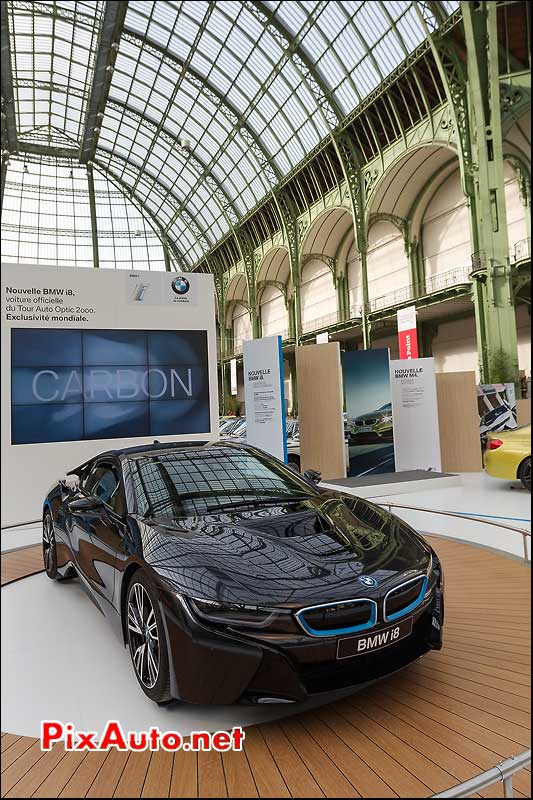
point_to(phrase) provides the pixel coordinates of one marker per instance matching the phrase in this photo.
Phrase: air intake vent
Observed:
(336, 619)
(403, 599)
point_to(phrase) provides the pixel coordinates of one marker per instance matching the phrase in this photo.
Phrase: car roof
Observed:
(155, 446)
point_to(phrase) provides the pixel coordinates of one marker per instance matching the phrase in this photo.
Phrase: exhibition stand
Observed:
(94, 360)
(394, 482)
(319, 375)
(138, 362)
(448, 717)
(266, 424)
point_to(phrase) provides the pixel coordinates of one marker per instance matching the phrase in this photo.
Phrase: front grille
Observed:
(404, 598)
(334, 619)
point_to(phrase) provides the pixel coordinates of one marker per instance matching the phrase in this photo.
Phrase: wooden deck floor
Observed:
(448, 717)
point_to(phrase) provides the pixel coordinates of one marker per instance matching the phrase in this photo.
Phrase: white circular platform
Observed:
(62, 661)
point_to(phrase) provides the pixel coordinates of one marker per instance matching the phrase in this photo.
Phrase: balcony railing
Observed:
(394, 298)
(433, 283)
(356, 312)
(480, 260)
(445, 280)
(458, 276)
(321, 322)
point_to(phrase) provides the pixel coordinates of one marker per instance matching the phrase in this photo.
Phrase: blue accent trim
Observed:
(490, 516)
(282, 397)
(47, 503)
(339, 631)
(409, 608)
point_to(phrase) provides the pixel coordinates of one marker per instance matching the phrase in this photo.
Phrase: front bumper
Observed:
(209, 665)
(374, 436)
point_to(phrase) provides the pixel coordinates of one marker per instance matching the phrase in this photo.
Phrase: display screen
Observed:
(68, 385)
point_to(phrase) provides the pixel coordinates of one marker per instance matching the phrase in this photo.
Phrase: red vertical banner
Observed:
(407, 339)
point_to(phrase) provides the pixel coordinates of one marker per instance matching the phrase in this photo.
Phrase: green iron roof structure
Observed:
(198, 135)
(198, 110)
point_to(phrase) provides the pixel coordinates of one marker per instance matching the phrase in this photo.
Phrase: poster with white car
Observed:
(496, 406)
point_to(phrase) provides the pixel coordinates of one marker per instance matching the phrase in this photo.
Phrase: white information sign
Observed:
(99, 359)
(415, 415)
(233, 376)
(264, 395)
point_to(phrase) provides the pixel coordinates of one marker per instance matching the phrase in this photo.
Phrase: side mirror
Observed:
(83, 504)
(71, 482)
(312, 475)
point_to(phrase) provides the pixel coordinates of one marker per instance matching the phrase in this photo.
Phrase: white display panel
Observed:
(98, 359)
(415, 414)
(264, 396)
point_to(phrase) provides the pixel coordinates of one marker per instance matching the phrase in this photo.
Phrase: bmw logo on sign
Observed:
(366, 580)
(181, 285)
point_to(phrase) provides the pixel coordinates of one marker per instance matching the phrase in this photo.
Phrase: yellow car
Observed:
(508, 455)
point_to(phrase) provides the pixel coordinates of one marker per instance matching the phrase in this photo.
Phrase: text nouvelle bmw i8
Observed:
(233, 579)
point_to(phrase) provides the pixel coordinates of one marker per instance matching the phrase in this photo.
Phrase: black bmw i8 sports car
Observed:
(232, 578)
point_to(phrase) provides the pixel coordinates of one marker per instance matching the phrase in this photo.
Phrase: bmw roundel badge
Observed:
(366, 580)
(181, 285)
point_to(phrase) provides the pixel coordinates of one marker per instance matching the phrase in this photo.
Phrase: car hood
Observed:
(290, 554)
(372, 414)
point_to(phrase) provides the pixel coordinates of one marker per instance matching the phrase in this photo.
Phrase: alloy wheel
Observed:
(49, 543)
(143, 636)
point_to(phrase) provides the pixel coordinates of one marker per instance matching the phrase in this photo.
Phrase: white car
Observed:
(231, 426)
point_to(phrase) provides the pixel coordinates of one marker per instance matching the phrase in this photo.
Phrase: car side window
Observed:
(104, 483)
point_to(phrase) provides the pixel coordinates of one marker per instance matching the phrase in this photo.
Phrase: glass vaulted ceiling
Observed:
(244, 82)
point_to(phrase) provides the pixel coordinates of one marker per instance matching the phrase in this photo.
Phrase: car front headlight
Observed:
(387, 418)
(237, 615)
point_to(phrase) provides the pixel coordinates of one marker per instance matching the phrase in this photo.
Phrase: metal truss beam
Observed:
(267, 163)
(108, 43)
(292, 45)
(9, 123)
(219, 100)
(180, 258)
(220, 195)
(495, 315)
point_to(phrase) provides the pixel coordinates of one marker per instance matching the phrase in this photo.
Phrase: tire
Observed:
(294, 460)
(49, 547)
(146, 638)
(524, 473)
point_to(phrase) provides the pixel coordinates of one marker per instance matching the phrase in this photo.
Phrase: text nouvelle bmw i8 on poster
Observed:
(233, 579)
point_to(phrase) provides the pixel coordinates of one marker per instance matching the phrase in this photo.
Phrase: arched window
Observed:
(46, 219)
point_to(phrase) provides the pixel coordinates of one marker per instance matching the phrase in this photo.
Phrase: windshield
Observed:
(185, 483)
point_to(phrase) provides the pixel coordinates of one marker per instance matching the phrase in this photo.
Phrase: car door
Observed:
(78, 522)
(106, 528)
